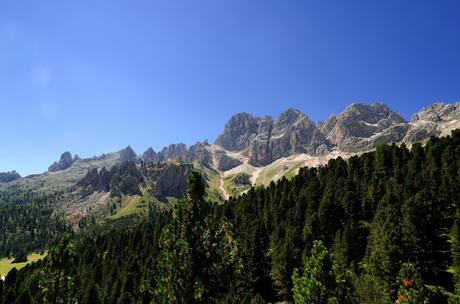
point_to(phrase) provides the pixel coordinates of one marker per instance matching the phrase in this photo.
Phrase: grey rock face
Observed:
(123, 178)
(420, 132)
(174, 151)
(438, 112)
(199, 153)
(292, 133)
(6, 177)
(327, 126)
(238, 132)
(225, 162)
(64, 162)
(361, 127)
(264, 140)
(435, 120)
(149, 155)
(128, 154)
(171, 179)
(259, 147)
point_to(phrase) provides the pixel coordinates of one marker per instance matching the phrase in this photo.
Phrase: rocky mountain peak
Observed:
(266, 139)
(6, 177)
(174, 151)
(352, 129)
(438, 112)
(371, 114)
(64, 162)
(326, 126)
(290, 116)
(238, 132)
(128, 154)
(149, 155)
(438, 119)
(199, 152)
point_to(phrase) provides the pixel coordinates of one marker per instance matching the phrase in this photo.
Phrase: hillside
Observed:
(382, 227)
(250, 151)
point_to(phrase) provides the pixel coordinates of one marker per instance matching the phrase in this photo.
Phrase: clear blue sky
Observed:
(94, 76)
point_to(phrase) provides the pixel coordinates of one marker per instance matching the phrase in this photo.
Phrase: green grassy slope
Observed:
(6, 263)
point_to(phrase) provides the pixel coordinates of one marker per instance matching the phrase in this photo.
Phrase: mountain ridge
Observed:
(256, 149)
(358, 128)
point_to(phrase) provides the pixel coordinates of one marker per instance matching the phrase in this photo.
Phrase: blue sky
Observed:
(94, 76)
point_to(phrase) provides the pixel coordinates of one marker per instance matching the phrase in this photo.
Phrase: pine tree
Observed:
(57, 280)
(370, 289)
(411, 287)
(455, 252)
(385, 247)
(199, 260)
(320, 282)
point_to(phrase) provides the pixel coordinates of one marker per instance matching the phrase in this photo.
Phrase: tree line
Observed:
(383, 227)
(28, 221)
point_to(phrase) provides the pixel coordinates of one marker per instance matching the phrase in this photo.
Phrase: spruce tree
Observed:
(321, 281)
(411, 287)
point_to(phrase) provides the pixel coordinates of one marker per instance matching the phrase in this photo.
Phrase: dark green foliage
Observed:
(322, 281)
(117, 264)
(57, 279)
(27, 221)
(242, 179)
(411, 288)
(199, 258)
(369, 289)
(455, 251)
(386, 225)
(375, 212)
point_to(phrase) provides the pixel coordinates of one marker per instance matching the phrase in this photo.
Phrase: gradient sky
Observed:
(92, 76)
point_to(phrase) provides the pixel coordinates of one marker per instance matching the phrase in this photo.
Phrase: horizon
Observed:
(211, 142)
(92, 78)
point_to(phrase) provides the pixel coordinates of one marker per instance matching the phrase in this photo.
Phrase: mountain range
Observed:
(250, 151)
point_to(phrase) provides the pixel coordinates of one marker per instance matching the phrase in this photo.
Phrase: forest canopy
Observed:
(383, 227)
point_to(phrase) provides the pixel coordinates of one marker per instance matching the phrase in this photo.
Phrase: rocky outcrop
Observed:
(170, 179)
(438, 112)
(264, 140)
(361, 127)
(238, 132)
(149, 156)
(292, 133)
(249, 140)
(128, 154)
(327, 126)
(225, 162)
(121, 179)
(199, 153)
(96, 180)
(6, 177)
(64, 162)
(438, 119)
(174, 151)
